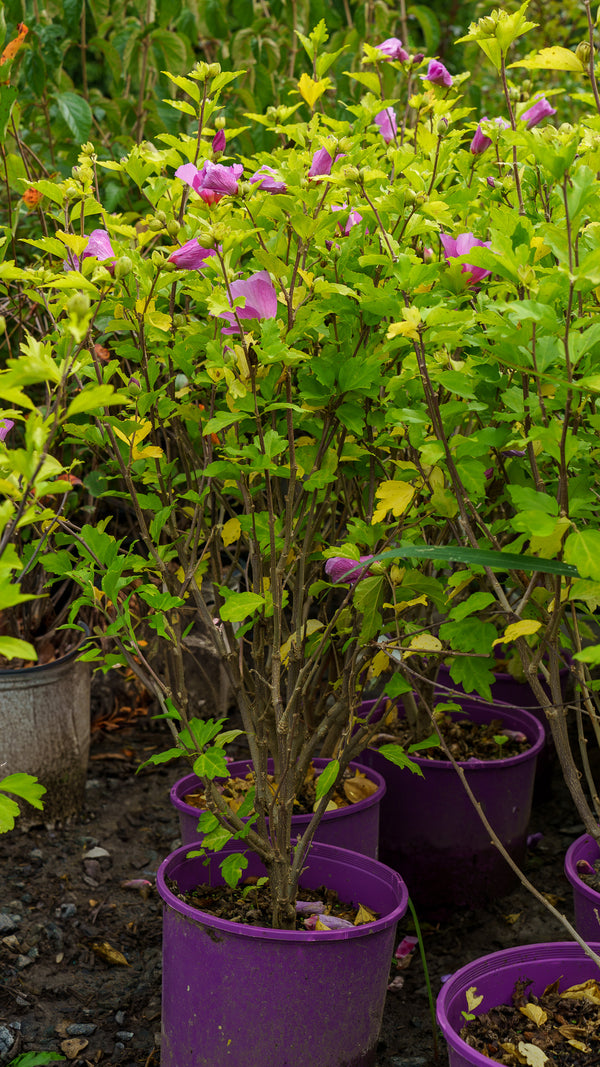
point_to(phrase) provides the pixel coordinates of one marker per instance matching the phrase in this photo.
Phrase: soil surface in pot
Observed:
(355, 786)
(564, 1027)
(466, 740)
(250, 904)
(80, 927)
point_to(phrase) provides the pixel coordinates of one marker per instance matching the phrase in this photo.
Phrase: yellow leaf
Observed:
(549, 547)
(231, 531)
(535, 1013)
(311, 90)
(160, 320)
(520, 629)
(378, 665)
(473, 1001)
(512, 917)
(554, 58)
(509, 1047)
(541, 249)
(364, 915)
(402, 604)
(110, 954)
(133, 440)
(73, 241)
(533, 1055)
(393, 496)
(424, 643)
(311, 627)
(407, 328)
(579, 1045)
(307, 277)
(589, 990)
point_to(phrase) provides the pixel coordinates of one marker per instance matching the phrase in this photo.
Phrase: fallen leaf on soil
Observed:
(109, 954)
(473, 1001)
(579, 1045)
(73, 1046)
(589, 990)
(359, 788)
(364, 915)
(553, 899)
(509, 1047)
(535, 1013)
(570, 1032)
(533, 1055)
(513, 917)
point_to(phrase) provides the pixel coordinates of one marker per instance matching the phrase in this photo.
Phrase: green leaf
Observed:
(496, 561)
(9, 810)
(553, 58)
(90, 399)
(36, 1059)
(396, 754)
(232, 867)
(589, 655)
(582, 548)
(429, 24)
(239, 606)
(428, 742)
(14, 648)
(8, 95)
(368, 598)
(327, 778)
(24, 786)
(72, 16)
(211, 764)
(77, 114)
(476, 602)
(473, 674)
(396, 686)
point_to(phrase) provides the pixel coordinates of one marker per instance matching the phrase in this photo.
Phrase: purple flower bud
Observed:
(219, 142)
(418, 57)
(99, 246)
(538, 111)
(437, 74)
(480, 143)
(321, 164)
(388, 124)
(213, 181)
(341, 569)
(459, 246)
(6, 426)
(261, 299)
(583, 867)
(310, 907)
(330, 921)
(191, 255)
(267, 178)
(392, 49)
(490, 181)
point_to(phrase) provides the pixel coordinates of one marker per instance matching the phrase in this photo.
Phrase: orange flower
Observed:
(32, 197)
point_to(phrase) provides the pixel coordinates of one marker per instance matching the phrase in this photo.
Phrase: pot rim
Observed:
(333, 855)
(582, 848)
(183, 784)
(532, 726)
(506, 959)
(44, 668)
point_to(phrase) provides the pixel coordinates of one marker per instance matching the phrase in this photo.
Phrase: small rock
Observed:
(26, 898)
(66, 911)
(54, 936)
(73, 1046)
(97, 854)
(7, 1040)
(81, 1029)
(119, 1018)
(8, 923)
(11, 942)
(33, 952)
(36, 854)
(124, 1035)
(23, 961)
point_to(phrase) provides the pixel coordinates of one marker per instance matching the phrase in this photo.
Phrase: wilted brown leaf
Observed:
(73, 1046)
(359, 788)
(589, 990)
(512, 1049)
(109, 954)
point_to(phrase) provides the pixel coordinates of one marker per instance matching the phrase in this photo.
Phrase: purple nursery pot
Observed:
(355, 827)
(508, 690)
(244, 996)
(431, 833)
(494, 977)
(586, 901)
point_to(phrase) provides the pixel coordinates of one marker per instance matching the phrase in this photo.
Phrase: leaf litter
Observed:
(557, 1029)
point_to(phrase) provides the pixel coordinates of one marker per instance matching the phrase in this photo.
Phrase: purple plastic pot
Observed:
(355, 827)
(494, 977)
(506, 689)
(586, 901)
(244, 996)
(431, 833)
